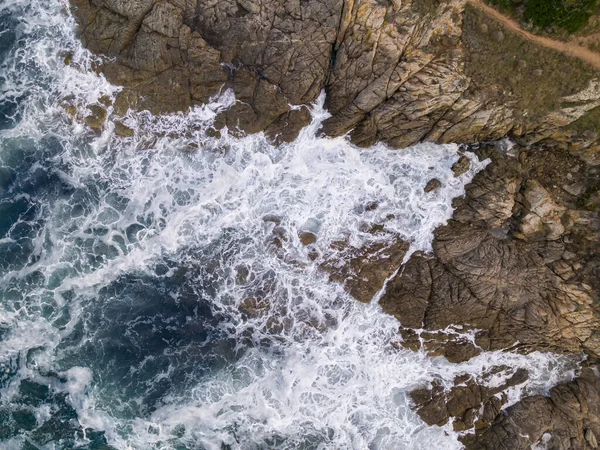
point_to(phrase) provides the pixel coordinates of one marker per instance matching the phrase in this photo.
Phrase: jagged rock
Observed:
(517, 292)
(469, 403)
(544, 214)
(453, 346)
(461, 166)
(307, 238)
(393, 71)
(567, 419)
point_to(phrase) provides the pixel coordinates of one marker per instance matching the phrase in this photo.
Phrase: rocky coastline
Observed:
(518, 266)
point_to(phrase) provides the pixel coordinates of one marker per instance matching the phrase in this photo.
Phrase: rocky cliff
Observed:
(518, 267)
(519, 264)
(394, 71)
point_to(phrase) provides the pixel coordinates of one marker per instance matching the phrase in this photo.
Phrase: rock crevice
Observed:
(397, 72)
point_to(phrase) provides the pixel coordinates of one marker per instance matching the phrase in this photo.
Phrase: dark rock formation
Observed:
(432, 185)
(518, 264)
(567, 419)
(468, 403)
(363, 271)
(398, 72)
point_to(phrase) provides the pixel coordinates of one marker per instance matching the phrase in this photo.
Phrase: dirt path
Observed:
(567, 48)
(590, 39)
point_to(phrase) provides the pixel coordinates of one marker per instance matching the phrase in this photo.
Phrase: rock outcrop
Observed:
(398, 72)
(363, 271)
(469, 403)
(567, 419)
(517, 265)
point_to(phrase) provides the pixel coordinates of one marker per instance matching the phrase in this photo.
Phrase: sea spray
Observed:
(155, 292)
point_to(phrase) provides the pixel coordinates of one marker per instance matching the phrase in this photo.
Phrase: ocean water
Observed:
(154, 293)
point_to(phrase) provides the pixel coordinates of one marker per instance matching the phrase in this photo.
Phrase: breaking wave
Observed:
(154, 289)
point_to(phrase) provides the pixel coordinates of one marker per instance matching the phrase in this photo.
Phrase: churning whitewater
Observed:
(154, 292)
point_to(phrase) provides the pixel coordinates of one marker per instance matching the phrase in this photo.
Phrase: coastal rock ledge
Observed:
(397, 72)
(518, 266)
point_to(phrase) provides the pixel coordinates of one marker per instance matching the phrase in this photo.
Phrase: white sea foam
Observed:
(322, 370)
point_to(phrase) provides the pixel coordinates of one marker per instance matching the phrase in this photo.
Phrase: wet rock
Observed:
(568, 418)
(453, 346)
(468, 403)
(432, 185)
(307, 238)
(461, 166)
(96, 117)
(123, 130)
(280, 235)
(254, 307)
(273, 218)
(371, 206)
(363, 271)
(574, 189)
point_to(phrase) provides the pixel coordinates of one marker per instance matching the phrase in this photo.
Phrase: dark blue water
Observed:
(128, 333)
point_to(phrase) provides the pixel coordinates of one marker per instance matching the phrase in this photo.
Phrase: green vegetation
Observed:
(588, 122)
(569, 15)
(530, 77)
(504, 4)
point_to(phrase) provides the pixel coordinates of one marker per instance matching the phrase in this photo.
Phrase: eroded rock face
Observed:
(569, 418)
(469, 403)
(512, 283)
(173, 54)
(398, 72)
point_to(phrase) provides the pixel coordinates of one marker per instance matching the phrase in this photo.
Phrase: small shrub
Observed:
(570, 15)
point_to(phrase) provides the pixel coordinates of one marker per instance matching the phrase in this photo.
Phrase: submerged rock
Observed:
(433, 185)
